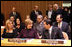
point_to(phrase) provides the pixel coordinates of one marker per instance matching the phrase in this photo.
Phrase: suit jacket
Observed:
(28, 33)
(48, 11)
(66, 16)
(9, 35)
(16, 16)
(56, 34)
(65, 26)
(22, 26)
(33, 16)
(52, 16)
(39, 27)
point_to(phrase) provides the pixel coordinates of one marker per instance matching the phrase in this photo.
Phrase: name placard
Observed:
(52, 41)
(42, 41)
(16, 40)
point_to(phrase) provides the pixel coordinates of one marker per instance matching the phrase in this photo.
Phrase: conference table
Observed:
(32, 41)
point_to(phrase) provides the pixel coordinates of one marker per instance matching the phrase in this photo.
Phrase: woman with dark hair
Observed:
(19, 25)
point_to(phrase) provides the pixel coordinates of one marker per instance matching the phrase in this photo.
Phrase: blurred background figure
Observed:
(57, 10)
(70, 16)
(62, 8)
(2, 19)
(49, 12)
(70, 21)
(66, 15)
(27, 17)
(34, 13)
(15, 13)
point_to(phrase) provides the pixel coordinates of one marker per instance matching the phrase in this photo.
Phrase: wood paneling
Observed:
(25, 7)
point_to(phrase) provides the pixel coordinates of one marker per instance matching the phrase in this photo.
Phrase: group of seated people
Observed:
(36, 26)
(42, 29)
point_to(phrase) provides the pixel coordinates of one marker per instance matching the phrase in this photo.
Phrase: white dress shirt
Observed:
(49, 14)
(36, 13)
(50, 31)
(14, 13)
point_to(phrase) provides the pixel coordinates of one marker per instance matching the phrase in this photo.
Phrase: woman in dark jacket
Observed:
(19, 25)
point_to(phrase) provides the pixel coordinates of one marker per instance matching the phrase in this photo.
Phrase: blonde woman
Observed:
(28, 32)
(9, 31)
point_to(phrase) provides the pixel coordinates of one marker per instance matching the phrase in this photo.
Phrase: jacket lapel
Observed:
(62, 26)
(47, 34)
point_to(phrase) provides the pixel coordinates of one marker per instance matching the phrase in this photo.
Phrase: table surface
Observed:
(32, 42)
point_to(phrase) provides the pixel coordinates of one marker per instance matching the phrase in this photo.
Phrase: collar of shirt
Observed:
(49, 14)
(14, 12)
(50, 29)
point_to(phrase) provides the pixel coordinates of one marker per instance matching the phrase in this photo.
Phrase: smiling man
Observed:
(51, 32)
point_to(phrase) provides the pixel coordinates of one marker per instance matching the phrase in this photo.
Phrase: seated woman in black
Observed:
(9, 32)
(19, 25)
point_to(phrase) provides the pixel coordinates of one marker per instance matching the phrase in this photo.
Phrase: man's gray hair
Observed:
(56, 5)
(40, 16)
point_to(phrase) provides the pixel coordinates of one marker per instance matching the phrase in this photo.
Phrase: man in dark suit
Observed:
(57, 10)
(49, 12)
(35, 13)
(51, 32)
(66, 15)
(14, 13)
(60, 24)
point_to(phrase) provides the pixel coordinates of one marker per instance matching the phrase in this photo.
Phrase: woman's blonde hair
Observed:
(7, 22)
(28, 21)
